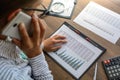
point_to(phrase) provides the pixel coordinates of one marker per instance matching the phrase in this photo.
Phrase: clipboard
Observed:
(62, 8)
(78, 54)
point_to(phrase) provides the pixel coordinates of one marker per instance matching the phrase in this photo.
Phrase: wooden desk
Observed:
(54, 23)
(112, 50)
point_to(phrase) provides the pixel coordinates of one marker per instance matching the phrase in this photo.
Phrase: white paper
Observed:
(101, 21)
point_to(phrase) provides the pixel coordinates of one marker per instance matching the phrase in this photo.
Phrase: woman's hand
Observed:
(54, 43)
(31, 44)
(50, 44)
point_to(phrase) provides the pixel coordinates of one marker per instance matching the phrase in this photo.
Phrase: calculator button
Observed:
(114, 67)
(107, 65)
(114, 75)
(108, 68)
(112, 63)
(111, 67)
(119, 58)
(105, 61)
(111, 75)
(113, 71)
(117, 74)
(108, 61)
(109, 72)
(119, 69)
(117, 66)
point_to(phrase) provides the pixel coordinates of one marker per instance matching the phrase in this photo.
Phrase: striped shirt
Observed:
(12, 67)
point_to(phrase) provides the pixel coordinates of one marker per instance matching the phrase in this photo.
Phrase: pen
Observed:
(95, 72)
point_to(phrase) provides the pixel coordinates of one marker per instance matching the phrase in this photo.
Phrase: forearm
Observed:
(40, 70)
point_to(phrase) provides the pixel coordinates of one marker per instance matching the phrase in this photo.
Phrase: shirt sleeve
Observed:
(9, 71)
(40, 69)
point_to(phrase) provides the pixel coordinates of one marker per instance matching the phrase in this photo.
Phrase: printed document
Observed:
(101, 21)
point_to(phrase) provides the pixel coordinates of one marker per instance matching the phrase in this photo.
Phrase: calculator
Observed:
(112, 68)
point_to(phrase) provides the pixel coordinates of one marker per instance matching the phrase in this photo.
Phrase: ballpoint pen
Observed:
(95, 72)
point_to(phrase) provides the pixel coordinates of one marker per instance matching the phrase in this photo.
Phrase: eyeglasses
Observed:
(56, 8)
(44, 10)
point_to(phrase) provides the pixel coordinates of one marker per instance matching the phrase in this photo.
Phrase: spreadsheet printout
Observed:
(78, 53)
(101, 21)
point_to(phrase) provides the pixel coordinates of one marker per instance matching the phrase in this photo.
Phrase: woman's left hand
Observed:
(54, 43)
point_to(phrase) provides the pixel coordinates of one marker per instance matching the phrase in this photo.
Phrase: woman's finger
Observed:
(36, 28)
(42, 28)
(60, 41)
(59, 37)
(23, 33)
(56, 48)
(17, 42)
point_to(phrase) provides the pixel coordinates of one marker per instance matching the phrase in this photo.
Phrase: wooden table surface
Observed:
(54, 23)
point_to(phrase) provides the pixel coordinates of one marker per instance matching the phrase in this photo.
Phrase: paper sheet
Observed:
(101, 21)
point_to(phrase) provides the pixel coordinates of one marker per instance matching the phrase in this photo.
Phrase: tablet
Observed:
(78, 54)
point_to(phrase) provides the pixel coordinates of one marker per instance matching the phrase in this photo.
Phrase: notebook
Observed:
(78, 54)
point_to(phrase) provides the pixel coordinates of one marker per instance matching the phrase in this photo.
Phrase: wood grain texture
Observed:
(54, 23)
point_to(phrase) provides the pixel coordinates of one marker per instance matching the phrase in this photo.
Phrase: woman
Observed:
(14, 65)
